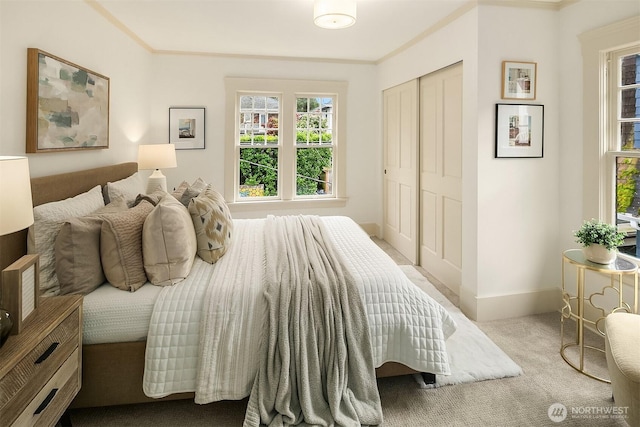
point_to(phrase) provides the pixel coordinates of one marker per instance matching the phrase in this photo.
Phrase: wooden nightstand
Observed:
(41, 368)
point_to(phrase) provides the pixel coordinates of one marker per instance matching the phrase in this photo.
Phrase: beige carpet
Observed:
(532, 342)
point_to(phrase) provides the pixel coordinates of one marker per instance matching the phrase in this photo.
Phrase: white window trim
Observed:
(286, 185)
(596, 45)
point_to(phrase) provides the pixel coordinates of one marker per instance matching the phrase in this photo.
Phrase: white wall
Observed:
(518, 199)
(518, 213)
(188, 80)
(74, 31)
(576, 19)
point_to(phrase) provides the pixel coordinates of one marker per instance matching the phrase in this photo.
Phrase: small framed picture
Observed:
(186, 128)
(519, 130)
(519, 80)
(21, 290)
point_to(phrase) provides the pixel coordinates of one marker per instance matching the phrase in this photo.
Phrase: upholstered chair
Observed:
(622, 343)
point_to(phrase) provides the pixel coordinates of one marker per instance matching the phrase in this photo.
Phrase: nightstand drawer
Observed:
(19, 386)
(49, 404)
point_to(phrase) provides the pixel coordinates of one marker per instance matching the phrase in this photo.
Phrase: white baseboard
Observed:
(484, 309)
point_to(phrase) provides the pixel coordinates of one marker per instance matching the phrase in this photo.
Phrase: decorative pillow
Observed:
(48, 218)
(121, 247)
(77, 251)
(129, 188)
(186, 192)
(153, 198)
(168, 243)
(212, 223)
(177, 192)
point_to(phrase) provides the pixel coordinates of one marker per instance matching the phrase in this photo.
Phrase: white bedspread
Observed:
(406, 325)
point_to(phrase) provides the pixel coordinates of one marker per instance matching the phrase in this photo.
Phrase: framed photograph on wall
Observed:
(519, 80)
(186, 128)
(67, 105)
(21, 290)
(519, 130)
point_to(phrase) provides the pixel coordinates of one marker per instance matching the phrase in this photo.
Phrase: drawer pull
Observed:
(47, 353)
(46, 401)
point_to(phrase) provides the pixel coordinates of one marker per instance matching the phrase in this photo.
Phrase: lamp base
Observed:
(157, 181)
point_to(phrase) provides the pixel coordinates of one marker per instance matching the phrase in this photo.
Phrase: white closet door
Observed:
(441, 175)
(400, 191)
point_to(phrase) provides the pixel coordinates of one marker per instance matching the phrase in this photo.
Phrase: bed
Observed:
(113, 369)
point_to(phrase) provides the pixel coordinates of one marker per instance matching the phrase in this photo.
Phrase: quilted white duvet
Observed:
(204, 333)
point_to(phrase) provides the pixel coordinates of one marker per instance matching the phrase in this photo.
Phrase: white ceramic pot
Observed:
(599, 254)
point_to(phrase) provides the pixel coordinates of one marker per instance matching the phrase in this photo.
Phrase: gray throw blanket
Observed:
(316, 364)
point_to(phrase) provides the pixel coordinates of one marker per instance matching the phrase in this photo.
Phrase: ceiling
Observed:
(284, 28)
(274, 28)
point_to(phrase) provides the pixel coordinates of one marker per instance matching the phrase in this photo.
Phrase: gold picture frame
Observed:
(67, 105)
(519, 80)
(21, 290)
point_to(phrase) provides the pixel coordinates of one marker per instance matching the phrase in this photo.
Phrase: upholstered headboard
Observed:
(59, 187)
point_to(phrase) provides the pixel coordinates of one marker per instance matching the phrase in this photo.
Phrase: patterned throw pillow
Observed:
(213, 224)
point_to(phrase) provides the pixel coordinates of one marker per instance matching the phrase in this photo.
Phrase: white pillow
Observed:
(129, 188)
(47, 221)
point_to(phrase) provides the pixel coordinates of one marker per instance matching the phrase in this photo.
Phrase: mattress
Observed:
(112, 315)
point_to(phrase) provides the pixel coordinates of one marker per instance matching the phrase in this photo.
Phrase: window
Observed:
(314, 146)
(622, 136)
(285, 142)
(258, 145)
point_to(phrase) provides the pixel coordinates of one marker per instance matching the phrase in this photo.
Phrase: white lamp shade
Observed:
(16, 206)
(334, 14)
(157, 156)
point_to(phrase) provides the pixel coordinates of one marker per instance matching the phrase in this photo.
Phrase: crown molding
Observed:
(470, 5)
(119, 25)
(530, 4)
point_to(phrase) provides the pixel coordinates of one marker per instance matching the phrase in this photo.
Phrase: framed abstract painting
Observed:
(67, 105)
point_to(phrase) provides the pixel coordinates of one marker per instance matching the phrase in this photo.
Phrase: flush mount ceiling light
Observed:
(334, 14)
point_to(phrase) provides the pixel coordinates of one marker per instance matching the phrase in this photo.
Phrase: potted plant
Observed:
(600, 241)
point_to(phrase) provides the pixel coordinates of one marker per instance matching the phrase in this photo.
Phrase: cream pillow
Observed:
(121, 247)
(77, 251)
(168, 242)
(129, 188)
(213, 224)
(48, 218)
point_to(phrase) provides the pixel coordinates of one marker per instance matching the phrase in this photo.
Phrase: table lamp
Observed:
(156, 157)
(16, 213)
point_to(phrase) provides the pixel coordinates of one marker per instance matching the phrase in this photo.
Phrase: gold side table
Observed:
(616, 271)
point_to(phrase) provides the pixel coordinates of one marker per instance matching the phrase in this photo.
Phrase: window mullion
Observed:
(287, 146)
